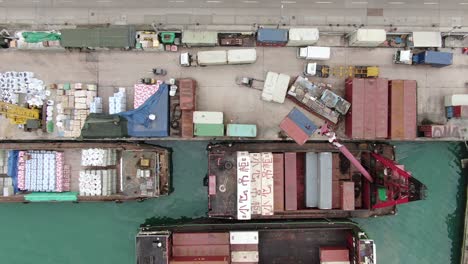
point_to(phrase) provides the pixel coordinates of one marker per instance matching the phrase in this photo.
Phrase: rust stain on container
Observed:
(278, 176)
(187, 94)
(369, 108)
(355, 94)
(187, 124)
(347, 195)
(409, 101)
(381, 108)
(396, 126)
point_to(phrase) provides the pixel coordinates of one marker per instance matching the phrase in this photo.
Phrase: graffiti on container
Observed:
(256, 182)
(243, 186)
(446, 132)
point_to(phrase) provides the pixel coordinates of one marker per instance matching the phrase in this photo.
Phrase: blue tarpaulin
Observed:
(13, 168)
(272, 35)
(139, 123)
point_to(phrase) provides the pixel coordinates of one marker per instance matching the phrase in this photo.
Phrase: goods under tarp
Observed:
(303, 36)
(102, 37)
(39, 36)
(427, 40)
(367, 37)
(199, 38)
(104, 126)
(152, 118)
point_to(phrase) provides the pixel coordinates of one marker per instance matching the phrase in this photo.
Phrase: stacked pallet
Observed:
(98, 182)
(118, 102)
(98, 157)
(198, 248)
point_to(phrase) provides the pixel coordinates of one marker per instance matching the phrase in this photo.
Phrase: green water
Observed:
(422, 232)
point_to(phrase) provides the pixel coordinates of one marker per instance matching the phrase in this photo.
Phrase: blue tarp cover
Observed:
(272, 35)
(138, 122)
(13, 168)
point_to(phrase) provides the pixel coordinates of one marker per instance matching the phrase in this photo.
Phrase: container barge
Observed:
(315, 180)
(263, 242)
(83, 171)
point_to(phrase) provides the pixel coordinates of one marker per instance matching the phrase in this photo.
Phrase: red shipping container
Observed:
(200, 250)
(290, 179)
(244, 247)
(199, 261)
(201, 258)
(187, 124)
(187, 88)
(457, 111)
(300, 176)
(180, 239)
(212, 185)
(355, 94)
(369, 108)
(331, 254)
(347, 196)
(294, 131)
(410, 109)
(381, 108)
(336, 195)
(278, 177)
(396, 109)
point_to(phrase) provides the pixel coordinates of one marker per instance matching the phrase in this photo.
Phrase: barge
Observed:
(316, 180)
(83, 171)
(261, 242)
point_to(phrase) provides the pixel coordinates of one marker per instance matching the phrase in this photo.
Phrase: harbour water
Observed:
(427, 231)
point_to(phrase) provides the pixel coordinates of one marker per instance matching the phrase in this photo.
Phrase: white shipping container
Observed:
(427, 40)
(267, 184)
(256, 182)
(205, 117)
(244, 200)
(367, 37)
(325, 170)
(241, 56)
(281, 87)
(303, 36)
(269, 86)
(311, 180)
(214, 57)
(243, 237)
(456, 99)
(244, 256)
(314, 53)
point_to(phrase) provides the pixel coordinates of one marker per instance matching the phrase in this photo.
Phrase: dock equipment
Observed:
(18, 115)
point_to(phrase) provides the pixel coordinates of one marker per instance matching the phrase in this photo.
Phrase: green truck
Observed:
(119, 37)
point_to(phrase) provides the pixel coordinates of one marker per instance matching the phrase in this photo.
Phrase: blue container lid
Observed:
(272, 35)
(301, 120)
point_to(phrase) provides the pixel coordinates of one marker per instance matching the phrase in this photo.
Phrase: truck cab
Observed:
(185, 59)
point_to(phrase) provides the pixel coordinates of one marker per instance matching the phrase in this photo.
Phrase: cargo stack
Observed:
(297, 126)
(198, 248)
(334, 255)
(402, 108)
(187, 105)
(456, 106)
(208, 124)
(244, 247)
(367, 118)
(118, 102)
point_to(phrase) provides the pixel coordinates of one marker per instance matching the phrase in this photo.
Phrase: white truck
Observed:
(314, 53)
(219, 57)
(367, 37)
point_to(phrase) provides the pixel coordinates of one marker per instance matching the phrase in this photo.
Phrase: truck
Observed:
(314, 53)
(219, 57)
(367, 37)
(303, 36)
(428, 57)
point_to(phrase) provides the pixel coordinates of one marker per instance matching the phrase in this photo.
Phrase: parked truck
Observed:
(427, 57)
(314, 53)
(219, 57)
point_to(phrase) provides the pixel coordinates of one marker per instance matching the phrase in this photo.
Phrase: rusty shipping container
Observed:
(355, 94)
(278, 177)
(187, 89)
(347, 195)
(187, 124)
(381, 108)
(187, 239)
(410, 110)
(294, 180)
(402, 108)
(370, 94)
(200, 250)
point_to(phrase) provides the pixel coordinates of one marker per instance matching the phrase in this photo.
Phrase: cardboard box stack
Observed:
(73, 103)
(118, 102)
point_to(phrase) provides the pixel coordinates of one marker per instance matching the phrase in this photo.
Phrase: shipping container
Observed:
(241, 56)
(244, 247)
(243, 237)
(278, 177)
(396, 109)
(212, 57)
(336, 193)
(449, 111)
(301, 120)
(456, 99)
(367, 37)
(241, 130)
(347, 195)
(427, 40)
(334, 255)
(381, 108)
(293, 131)
(224, 203)
(311, 180)
(410, 109)
(272, 37)
(209, 130)
(101, 37)
(70, 166)
(200, 250)
(314, 53)
(370, 95)
(187, 88)
(207, 117)
(187, 239)
(187, 124)
(280, 242)
(199, 38)
(303, 36)
(355, 94)
(433, 58)
(325, 180)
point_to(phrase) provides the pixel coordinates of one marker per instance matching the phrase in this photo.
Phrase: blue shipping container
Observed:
(434, 58)
(272, 35)
(301, 120)
(139, 123)
(449, 111)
